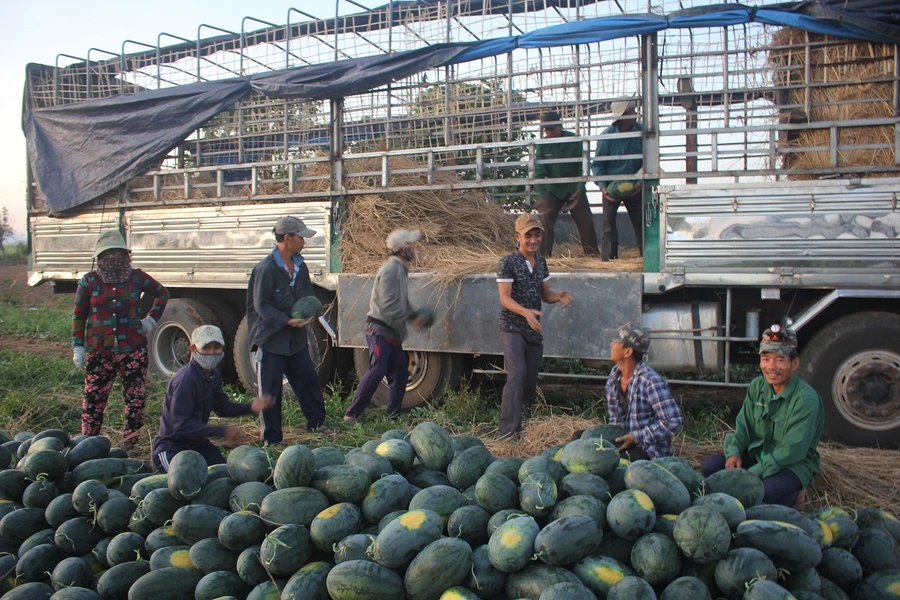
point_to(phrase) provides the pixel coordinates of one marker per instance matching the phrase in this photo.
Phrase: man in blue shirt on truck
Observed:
(193, 394)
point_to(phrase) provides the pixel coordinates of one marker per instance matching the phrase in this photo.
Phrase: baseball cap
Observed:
(526, 223)
(622, 108)
(401, 237)
(109, 240)
(551, 118)
(779, 340)
(290, 224)
(632, 336)
(205, 334)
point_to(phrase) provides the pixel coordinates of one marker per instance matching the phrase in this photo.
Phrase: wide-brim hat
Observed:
(109, 240)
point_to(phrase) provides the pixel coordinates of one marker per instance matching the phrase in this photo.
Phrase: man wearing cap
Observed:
(562, 196)
(194, 393)
(638, 398)
(385, 329)
(276, 283)
(779, 425)
(624, 121)
(523, 282)
(109, 337)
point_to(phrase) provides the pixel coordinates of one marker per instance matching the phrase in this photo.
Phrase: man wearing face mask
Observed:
(385, 330)
(194, 393)
(109, 337)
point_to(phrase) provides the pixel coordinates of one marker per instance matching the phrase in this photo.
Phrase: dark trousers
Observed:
(522, 360)
(609, 232)
(549, 206)
(781, 488)
(301, 374)
(213, 456)
(385, 360)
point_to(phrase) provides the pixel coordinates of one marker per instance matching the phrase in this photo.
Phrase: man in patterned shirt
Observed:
(638, 398)
(523, 282)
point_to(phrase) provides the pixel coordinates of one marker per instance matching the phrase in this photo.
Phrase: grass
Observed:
(13, 253)
(51, 324)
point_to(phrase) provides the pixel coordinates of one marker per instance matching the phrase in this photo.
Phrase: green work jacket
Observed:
(779, 431)
(559, 149)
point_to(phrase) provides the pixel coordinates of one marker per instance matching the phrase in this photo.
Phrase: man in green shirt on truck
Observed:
(778, 428)
(562, 196)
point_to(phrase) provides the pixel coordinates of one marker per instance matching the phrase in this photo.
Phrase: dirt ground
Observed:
(14, 288)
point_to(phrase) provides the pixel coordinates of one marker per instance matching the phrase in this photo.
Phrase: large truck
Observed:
(771, 176)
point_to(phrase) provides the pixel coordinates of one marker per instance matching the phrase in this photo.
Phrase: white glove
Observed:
(147, 325)
(78, 357)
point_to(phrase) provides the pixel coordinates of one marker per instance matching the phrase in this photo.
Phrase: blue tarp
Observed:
(83, 150)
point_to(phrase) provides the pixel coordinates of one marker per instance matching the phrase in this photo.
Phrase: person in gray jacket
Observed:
(276, 283)
(389, 312)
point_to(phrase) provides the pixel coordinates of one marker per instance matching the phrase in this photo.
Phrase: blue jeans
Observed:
(781, 488)
(385, 360)
(301, 374)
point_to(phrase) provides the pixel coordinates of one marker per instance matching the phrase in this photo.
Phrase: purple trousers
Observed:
(781, 488)
(385, 360)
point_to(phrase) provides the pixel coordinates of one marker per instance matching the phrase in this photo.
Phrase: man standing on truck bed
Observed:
(778, 428)
(523, 281)
(276, 283)
(625, 120)
(558, 196)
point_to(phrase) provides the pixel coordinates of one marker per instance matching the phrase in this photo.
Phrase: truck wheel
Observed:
(229, 319)
(320, 350)
(430, 375)
(854, 364)
(171, 339)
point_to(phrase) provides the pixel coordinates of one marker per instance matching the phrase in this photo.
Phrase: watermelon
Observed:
(363, 580)
(248, 496)
(806, 580)
(294, 468)
(765, 589)
(195, 522)
(423, 477)
(459, 593)
(875, 550)
(499, 518)
(76, 536)
(738, 483)
(159, 506)
(307, 307)
(187, 474)
(702, 534)
(374, 465)
(604, 431)
(441, 565)
(537, 494)
(884, 585)
(841, 567)
(831, 591)
(656, 558)
(334, 524)
(741, 566)
(220, 584)
(631, 514)
(298, 505)
(590, 456)
(442, 499)
(486, 580)
(468, 466)
(398, 451)
(585, 484)
(787, 545)
(682, 469)
(37, 563)
(177, 584)
(29, 591)
(600, 573)
(668, 494)
(71, 572)
(39, 494)
(89, 496)
(631, 588)
(267, 590)
(125, 547)
(308, 582)
(567, 540)
(844, 530)
(876, 518)
(249, 463)
(115, 583)
(393, 434)
(115, 515)
(620, 190)
(240, 530)
(728, 506)
(542, 464)
(566, 591)
(535, 578)
(511, 546)
(250, 568)
(495, 492)
(160, 538)
(107, 471)
(172, 556)
(404, 537)
(147, 485)
(588, 506)
(326, 456)
(60, 510)
(469, 523)
(285, 550)
(508, 466)
(341, 483)
(384, 496)
(45, 464)
(209, 556)
(686, 588)
(432, 445)
(354, 547)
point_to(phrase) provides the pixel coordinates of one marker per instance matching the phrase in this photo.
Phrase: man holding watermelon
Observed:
(619, 192)
(778, 428)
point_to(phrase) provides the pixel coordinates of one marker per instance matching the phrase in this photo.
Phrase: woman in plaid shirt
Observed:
(109, 337)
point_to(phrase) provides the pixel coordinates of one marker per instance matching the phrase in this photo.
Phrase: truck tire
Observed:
(320, 350)
(170, 341)
(854, 364)
(229, 319)
(431, 374)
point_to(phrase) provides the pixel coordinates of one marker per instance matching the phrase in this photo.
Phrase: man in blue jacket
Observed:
(276, 283)
(624, 113)
(194, 393)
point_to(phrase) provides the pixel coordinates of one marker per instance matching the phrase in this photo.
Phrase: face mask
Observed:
(207, 361)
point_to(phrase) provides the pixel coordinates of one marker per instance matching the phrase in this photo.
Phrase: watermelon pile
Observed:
(418, 515)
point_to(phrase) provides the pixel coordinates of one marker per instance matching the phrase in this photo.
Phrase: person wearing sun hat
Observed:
(191, 396)
(624, 114)
(523, 282)
(638, 398)
(386, 327)
(778, 428)
(280, 340)
(109, 334)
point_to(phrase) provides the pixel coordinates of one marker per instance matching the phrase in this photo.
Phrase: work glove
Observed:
(147, 325)
(78, 357)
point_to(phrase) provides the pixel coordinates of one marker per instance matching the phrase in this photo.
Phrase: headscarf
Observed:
(114, 267)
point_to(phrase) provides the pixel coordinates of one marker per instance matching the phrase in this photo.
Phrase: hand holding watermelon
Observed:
(305, 311)
(423, 317)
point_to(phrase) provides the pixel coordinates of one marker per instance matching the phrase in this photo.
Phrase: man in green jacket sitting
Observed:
(562, 196)
(779, 425)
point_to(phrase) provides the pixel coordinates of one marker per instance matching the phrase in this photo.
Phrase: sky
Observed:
(37, 31)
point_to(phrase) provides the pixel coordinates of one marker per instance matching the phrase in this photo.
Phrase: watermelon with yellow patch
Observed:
(590, 455)
(620, 190)
(334, 524)
(884, 585)
(404, 537)
(459, 593)
(600, 573)
(631, 514)
(511, 546)
(877, 518)
(789, 546)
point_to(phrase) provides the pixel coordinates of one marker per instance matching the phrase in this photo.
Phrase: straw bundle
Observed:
(172, 187)
(848, 81)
